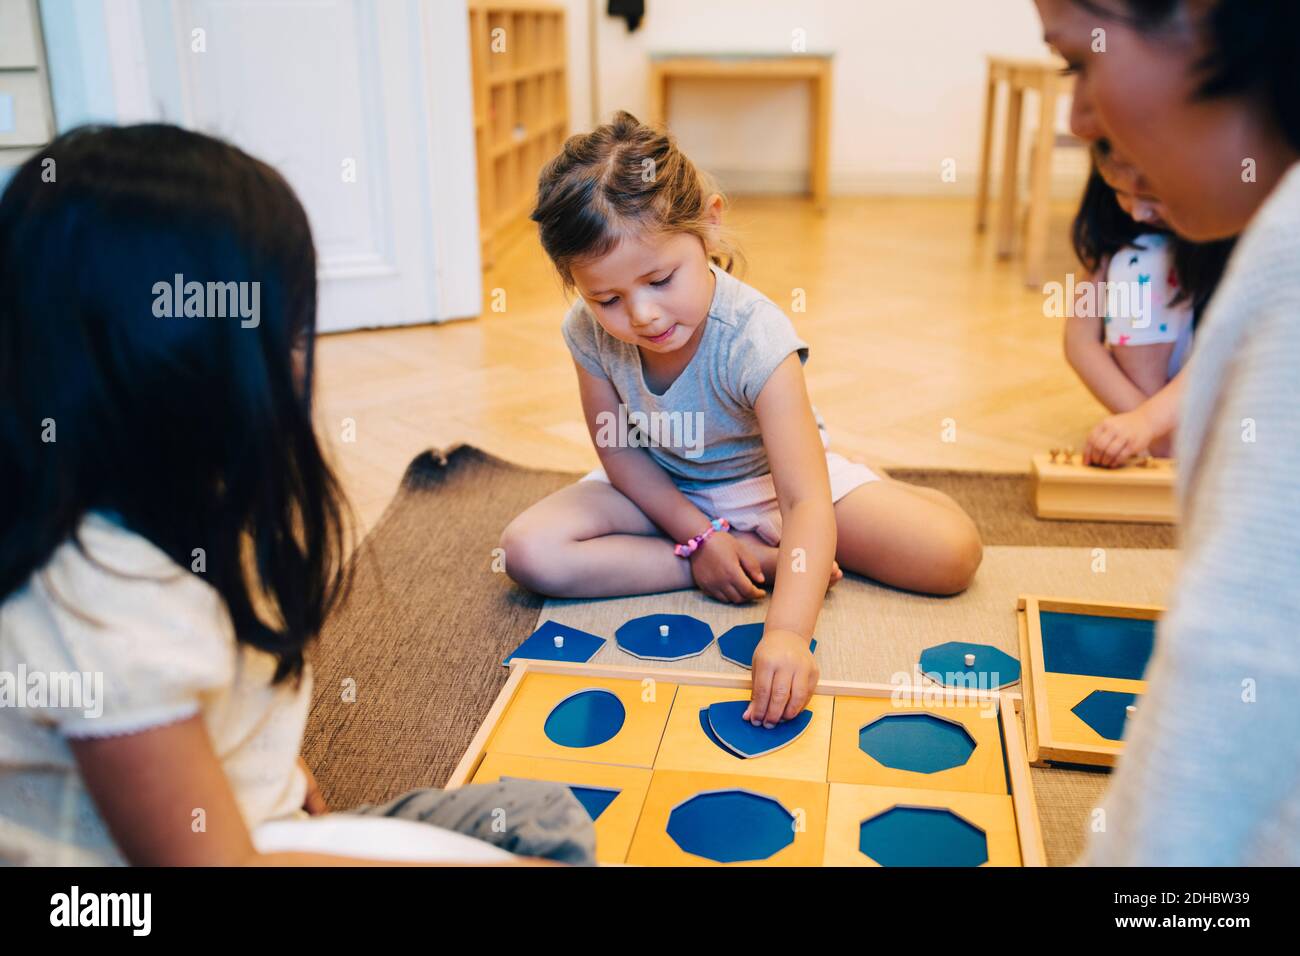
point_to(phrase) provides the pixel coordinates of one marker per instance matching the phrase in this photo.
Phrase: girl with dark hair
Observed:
(171, 536)
(724, 475)
(1131, 349)
(1202, 99)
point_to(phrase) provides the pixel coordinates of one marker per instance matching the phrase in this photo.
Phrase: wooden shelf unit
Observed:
(518, 54)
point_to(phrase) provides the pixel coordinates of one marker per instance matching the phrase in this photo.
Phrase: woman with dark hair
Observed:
(1202, 98)
(170, 533)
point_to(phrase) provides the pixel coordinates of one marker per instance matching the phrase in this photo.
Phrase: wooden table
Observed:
(1045, 78)
(813, 67)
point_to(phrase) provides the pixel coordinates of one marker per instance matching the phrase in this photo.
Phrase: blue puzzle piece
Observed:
(743, 738)
(922, 836)
(946, 664)
(585, 719)
(920, 743)
(1106, 711)
(595, 800)
(737, 645)
(579, 646)
(708, 732)
(731, 826)
(1096, 646)
(687, 637)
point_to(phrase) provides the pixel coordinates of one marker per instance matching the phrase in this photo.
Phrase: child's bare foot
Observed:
(769, 557)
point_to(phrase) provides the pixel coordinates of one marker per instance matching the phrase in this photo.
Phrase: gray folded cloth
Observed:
(528, 817)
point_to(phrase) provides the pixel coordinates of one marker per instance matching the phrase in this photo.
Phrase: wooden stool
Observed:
(813, 67)
(1045, 78)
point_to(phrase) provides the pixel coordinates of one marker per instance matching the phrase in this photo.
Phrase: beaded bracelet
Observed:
(689, 548)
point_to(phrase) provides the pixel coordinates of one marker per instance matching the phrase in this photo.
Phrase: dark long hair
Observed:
(1102, 228)
(1255, 50)
(195, 431)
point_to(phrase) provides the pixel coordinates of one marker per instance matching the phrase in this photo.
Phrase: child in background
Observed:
(1132, 358)
(170, 535)
(742, 494)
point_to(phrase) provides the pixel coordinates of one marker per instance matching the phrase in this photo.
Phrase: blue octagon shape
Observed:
(922, 836)
(687, 637)
(921, 743)
(1106, 711)
(731, 826)
(739, 643)
(946, 664)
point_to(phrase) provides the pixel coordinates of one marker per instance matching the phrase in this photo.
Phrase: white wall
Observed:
(364, 105)
(908, 85)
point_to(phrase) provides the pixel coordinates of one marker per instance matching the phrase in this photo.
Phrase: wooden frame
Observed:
(813, 67)
(851, 803)
(521, 109)
(1071, 491)
(669, 789)
(984, 772)
(1017, 764)
(685, 747)
(1052, 733)
(614, 827)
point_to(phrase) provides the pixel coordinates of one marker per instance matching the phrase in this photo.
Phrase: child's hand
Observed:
(785, 675)
(1118, 438)
(724, 570)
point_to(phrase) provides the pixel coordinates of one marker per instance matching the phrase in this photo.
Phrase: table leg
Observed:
(1010, 174)
(1040, 187)
(819, 155)
(986, 155)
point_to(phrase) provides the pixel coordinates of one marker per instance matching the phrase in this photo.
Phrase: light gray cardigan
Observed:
(1211, 770)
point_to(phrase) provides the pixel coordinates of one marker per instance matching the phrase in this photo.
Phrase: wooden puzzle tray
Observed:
(1081, 675)
(878, 774)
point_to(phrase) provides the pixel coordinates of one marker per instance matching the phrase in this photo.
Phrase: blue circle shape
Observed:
(585, 719)
(922, 836)
(921, 743)
(731, 826)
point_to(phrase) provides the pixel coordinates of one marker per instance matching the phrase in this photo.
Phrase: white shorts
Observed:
(751, 504)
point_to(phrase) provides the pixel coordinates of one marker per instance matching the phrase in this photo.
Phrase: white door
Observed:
(366, 108)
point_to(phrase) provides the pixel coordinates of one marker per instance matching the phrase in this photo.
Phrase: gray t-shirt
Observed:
(702, 430)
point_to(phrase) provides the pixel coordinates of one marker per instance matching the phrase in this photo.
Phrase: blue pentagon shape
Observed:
(922, 836)
(1106, 711)
(920, 743)
(731, 826)
(579, 646)
(738, 643)
(687, 637)
(946, 664)
(743, 738)
(585, 719)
